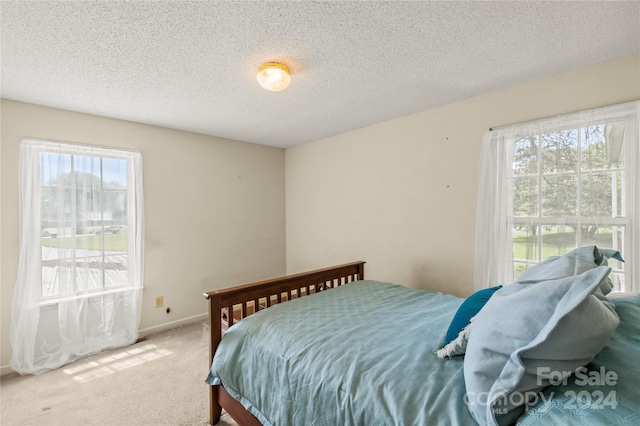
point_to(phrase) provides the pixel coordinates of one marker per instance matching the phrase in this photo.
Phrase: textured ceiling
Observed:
(192, 65)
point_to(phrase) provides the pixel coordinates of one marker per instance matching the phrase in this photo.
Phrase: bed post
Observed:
(216, 335)
(360, 267)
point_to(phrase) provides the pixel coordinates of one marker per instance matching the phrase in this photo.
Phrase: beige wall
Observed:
(214, 208)
(401, 195)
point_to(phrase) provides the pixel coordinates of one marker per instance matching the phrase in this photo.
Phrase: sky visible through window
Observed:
(54, 164)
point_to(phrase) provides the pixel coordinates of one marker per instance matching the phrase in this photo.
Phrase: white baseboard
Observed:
(6, 369)
(173, 324)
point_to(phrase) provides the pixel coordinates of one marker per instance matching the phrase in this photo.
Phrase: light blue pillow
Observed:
(469, 308)
(614, 374)
(575, 262)
(527, 333)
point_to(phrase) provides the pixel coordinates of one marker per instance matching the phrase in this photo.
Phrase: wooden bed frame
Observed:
(245, 300)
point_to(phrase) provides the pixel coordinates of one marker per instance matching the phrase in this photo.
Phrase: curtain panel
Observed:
(80, 274)
(505, 191)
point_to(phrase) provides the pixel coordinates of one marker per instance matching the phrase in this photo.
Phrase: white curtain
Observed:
(542, 181)
(79, 284)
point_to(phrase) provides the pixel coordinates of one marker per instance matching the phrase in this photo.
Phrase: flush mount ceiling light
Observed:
(274, 76)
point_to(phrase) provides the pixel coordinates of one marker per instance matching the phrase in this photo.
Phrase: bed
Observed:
(349, 351)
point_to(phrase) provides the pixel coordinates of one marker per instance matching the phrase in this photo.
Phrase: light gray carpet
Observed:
(159, 381)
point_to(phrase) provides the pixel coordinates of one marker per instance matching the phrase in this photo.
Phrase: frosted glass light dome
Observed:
(274, 76)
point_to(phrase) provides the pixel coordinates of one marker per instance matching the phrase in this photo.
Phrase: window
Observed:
(549, 186)
(84, 222)
(79, 281)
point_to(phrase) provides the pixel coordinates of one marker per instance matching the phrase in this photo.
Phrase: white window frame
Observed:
(494, 255)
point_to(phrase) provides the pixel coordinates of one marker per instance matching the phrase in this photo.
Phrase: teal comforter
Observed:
(361, 354)
(609, 392)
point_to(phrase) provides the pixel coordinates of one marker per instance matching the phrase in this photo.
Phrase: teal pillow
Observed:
(469, 308)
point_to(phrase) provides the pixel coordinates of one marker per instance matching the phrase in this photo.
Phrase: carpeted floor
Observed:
(159, 381)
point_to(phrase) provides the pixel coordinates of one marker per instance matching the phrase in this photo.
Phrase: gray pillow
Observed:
(530, 332)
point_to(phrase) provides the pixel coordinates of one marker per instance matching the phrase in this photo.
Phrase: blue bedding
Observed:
(608, 393)
(364, 354)
(360, 354)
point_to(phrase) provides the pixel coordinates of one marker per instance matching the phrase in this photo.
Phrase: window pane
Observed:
(115, 208)
(53, 166)
(557, 240)
(48, 216)
(525, 160)
(603, 146)
(594, 155)
(601, 195)
(115, 173)
(116, 266)
(525, 243)
(87, 169)
(55, 210)
(603, 236)
(559, 151)
(559, 195)
(525, 197)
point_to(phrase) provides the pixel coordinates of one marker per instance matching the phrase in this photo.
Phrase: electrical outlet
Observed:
(159, 302)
